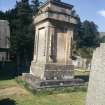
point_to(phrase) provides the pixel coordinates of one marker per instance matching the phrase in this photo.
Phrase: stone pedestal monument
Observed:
(54, 26)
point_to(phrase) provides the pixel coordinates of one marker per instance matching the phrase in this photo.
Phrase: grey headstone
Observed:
(96, 88)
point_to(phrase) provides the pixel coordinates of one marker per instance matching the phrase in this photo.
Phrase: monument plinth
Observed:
(52, 63)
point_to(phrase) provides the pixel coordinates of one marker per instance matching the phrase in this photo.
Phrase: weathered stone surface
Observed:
(58, 72)
(53, 40)
(4, 39)
(53, 44)
(82, 63)
(96, 89)
(54, 10)
(37, 83)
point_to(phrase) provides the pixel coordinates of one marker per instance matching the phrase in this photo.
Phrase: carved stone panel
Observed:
(41, 45)
(61, 45)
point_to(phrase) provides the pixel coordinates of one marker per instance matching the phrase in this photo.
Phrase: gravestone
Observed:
(96, 88)
(52, 64)
(80, 62)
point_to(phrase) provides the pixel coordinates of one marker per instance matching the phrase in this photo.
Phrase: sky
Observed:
(92, 10)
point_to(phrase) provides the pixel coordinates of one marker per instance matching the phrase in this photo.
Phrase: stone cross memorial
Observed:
(52, 64)
(96, 88)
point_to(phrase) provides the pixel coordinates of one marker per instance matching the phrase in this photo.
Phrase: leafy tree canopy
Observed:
(86, 38)
(22, 29)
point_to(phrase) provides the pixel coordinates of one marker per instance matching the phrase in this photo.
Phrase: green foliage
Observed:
(34, 5)
(2, 15)
(102, 40)
(22, 36)
(86, 38)
(78, 34)
(85, 52)
(90, 36)
(87, 35)
(22, 29)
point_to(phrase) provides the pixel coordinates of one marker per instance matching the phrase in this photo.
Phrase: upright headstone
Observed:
(96, 88)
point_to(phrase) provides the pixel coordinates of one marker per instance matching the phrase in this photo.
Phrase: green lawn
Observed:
(81, 73)
(20, 96)
(7, 83)
(74, 98)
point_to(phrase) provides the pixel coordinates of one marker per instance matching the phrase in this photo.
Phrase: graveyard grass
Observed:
(10, 90)
(81, 72)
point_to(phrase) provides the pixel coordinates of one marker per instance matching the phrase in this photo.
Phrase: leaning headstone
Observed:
(96, 88)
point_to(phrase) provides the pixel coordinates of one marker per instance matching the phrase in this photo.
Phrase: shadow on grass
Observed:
(83, 77)
(6, 76)
(9, 70)
(7, 102)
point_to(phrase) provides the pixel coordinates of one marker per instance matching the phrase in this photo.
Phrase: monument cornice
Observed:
(55, 16)
(58, 3)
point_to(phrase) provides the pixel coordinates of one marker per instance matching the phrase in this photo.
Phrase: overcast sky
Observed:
(93, 10)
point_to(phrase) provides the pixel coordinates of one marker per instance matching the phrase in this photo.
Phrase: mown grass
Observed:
(74, 98)
(60, 96)
(81, 73)
(7, 83)
(66, 97)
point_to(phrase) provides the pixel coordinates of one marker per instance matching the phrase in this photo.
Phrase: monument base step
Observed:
(37, 83)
